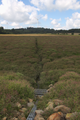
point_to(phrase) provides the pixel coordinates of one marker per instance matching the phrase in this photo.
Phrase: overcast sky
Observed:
(56, 14)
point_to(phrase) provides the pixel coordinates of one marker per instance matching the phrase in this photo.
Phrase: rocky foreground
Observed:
(60, 111)
(64, 113)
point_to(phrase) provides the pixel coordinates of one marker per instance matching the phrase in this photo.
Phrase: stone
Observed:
(5, 118)
(50, 106)
(62, 108)
(71, 115)
(17, 114)
(51, 85)
(22, 100)
(23, 118)
(23, 110)
(18, 105)
(38, 97)
(30, 100)
(68, 116)
(41, 97)
(38, 117)
(30, 104)
(19, 117)
(22, 114)
(58, 102)
(14, 118)
(39, 112)
(49, 89)
(55, 116)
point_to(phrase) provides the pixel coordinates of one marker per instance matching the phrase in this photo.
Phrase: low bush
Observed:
(13, 90)
(66, 89)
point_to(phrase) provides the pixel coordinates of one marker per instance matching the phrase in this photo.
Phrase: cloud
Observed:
(16, 11)
(74, 21)
(45, 17)
(55, 23)
(32, 18)
(57, 4)
(15, 25)
(71, 23)
(4, 22)
(43, 4)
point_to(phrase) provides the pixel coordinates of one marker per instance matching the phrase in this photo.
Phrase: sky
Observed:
(54, 14)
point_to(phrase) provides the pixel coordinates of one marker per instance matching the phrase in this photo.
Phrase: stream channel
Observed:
(38, 91)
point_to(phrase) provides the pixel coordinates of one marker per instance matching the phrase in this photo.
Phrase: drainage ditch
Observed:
(38, 91)
(40, 65)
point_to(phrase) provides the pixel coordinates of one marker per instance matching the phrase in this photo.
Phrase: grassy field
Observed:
(55, 55)
(28, 34)
(43, 60)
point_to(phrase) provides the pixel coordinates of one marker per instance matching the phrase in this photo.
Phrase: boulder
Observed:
(71, 115)
(62, 108)
(14, 118)
(68, 116)
(5, 118)
(23, 110)
(51, 85)
(31, 104)
(58, 102)
(49, 89)
(22, 114)
(39, 112)
(22, 100)
(38, 117)
(55, 116)
(23, 118)
(17, 114)
(18, 105)
(30, 100)
(50, 106)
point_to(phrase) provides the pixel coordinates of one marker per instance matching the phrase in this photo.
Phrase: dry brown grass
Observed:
(48, 34)
(27, 35)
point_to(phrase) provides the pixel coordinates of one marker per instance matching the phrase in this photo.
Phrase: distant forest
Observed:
(31, 30)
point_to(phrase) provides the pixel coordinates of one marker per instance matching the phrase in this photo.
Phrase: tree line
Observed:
(31, 30)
